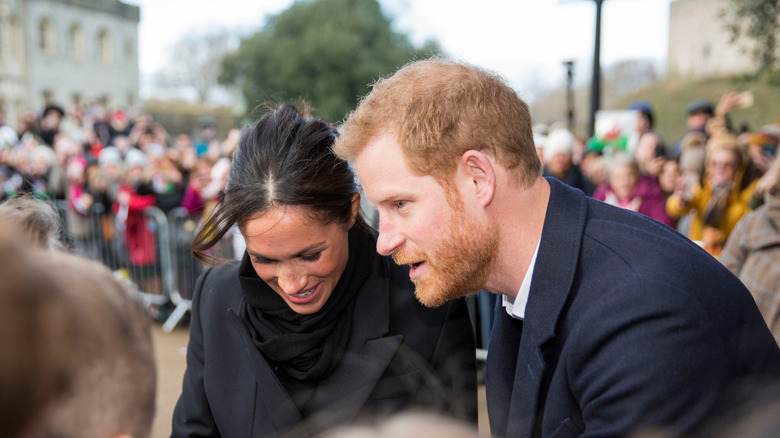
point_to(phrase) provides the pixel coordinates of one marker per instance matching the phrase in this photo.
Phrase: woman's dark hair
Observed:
(285, 158)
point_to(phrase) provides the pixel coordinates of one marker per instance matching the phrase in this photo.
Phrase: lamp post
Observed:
(595, 90)
(569, 66)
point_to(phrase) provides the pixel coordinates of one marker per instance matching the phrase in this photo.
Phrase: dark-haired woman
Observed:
(312, 328)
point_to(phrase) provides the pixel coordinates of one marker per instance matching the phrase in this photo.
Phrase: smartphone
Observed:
(690, 179)
(744, 99)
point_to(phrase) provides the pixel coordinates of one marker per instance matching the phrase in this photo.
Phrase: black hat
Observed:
(643, 107)
(53, 107)
(699, 106)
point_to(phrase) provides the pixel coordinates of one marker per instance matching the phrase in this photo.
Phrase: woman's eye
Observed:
(262, 261)
(311, 258)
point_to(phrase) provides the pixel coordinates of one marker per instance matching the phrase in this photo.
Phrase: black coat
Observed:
(628, 325)
(399, 355)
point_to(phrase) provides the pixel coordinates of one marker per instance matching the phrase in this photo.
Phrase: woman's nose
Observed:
(290, 281)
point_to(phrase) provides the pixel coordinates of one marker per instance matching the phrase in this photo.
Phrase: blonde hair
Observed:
(437, 110)
(693, 139)
(729, 143)
(621, 159)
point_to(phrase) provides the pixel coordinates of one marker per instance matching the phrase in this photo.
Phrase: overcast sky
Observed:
(526, 41)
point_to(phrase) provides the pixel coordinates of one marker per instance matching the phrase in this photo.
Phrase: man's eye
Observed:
(311, 258)
(400, 204)
(262, 261)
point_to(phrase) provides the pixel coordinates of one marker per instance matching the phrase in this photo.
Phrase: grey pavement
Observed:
(170, 349)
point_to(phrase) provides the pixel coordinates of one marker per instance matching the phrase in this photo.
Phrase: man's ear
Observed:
(478, 167)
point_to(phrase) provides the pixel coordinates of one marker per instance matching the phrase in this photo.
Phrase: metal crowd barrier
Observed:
(158, 266)
(184, 267)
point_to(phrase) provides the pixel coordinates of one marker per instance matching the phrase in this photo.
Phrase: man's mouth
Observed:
(416, 270)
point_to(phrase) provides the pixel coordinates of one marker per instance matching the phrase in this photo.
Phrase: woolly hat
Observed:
(155, 150)
(135, 158)
(770, 132)
(699, 106)
(53, 107)
(560, 141)
(644, 107)
(118, 116)
(109, 155)
(8, 137)
(75, 168)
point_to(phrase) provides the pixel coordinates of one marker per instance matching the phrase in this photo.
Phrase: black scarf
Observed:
(306, 347)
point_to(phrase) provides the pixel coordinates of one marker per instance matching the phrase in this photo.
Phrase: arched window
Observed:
(105, 52)
(76, 39)
(46, 37)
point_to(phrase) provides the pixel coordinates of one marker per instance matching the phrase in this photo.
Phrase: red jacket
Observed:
(140, 240)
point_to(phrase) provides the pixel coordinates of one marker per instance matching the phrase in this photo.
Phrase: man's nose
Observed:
(389, 239)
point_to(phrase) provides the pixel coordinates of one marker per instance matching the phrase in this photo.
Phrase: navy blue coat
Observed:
(628, 325)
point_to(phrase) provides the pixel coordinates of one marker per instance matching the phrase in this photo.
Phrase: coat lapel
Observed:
(551, 285)
(275, 411)
(501, 368)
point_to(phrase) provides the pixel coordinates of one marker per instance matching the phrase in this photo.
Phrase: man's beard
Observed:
(459, 264)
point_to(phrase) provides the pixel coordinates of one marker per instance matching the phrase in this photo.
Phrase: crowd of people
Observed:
(91, 155)
(587, 295)
(701, 185)
(104, 167)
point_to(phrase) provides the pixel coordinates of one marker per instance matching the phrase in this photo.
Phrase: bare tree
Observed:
(628, 76)
(195, 60)
(756, 21)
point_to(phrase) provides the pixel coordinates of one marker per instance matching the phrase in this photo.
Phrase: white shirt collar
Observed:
(515, 307)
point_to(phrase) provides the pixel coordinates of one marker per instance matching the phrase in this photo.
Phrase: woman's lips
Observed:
(307, 296)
